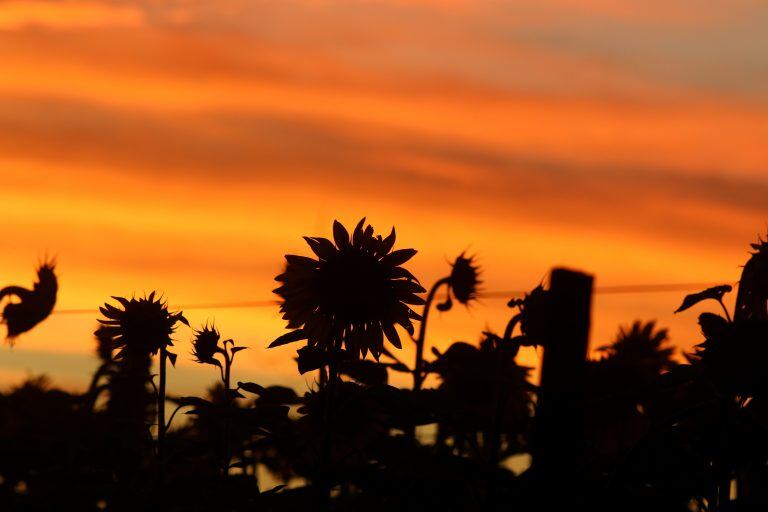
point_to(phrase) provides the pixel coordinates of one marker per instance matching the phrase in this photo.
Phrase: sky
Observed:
(186, 146)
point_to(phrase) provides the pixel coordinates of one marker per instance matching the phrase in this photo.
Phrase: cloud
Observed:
(68, 15)
(162, 144)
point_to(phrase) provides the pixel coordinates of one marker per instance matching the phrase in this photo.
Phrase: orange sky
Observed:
(185, 146)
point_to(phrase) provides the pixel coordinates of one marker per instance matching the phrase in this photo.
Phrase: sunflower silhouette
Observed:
(462, 284)
(752, 299)
(464, 279)
(32, 306)
(205, 345)
(352, 295)
(143, 324)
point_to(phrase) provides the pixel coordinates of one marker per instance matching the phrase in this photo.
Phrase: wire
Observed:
(212, 305)
(620, 289)
(602, 290)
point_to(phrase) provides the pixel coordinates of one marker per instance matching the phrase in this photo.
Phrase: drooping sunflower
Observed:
(32, 306)
(143, 325)
(352, 295)
(464, 279)
(205, 345)
(463, 283)
(533, 317)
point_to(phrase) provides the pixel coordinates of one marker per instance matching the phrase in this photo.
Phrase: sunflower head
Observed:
(464, 279)
(752, 300)
(351, 295)
(760, 261)
(205, 345)
(34, 305)
(143, 324)
(533, 316)
(46, 275)
(104, 344)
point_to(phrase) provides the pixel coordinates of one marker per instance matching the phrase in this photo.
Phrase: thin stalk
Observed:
(228, 401)
(418, 368)
(227, 372)
(324, 480)
(173, 415)
(494, 452)
(161, 426)
(511, 327)
(727, 315)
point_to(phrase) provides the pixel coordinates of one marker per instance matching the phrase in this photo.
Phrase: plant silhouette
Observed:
(32, 306)
(658, 431)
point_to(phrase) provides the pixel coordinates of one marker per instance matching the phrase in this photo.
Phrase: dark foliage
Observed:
(656, 433)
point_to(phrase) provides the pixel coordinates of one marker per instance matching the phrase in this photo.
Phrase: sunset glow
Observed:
(186, 146)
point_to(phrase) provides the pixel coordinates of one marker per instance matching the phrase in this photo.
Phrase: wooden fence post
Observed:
(558, 436)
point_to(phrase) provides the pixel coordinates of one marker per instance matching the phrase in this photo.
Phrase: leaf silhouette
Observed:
(251, 387)
(365, 371)
(714, 293)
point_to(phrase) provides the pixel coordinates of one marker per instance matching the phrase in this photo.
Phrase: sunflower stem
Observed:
(161, 426)
(418, 368)
(324, 480)
(725, 309)
(228, 400)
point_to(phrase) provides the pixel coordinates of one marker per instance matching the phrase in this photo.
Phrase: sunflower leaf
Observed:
(194, 401)
(398, 367)
(714, 293)
(234, 393)
(278, 395)
(712, 325)
(365, 371)
(310, 358)
(251, 387)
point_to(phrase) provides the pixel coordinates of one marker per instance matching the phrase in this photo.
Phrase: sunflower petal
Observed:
(122, 300)
(301, 261)
(357, 235)
(412, 299)
(400, 272)
(407, 325)
(323, 247)
(340, 235)
(391, 333)
(376, 340)
(387, 243)
(398, 257)
(403, 286)
(289, 337)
